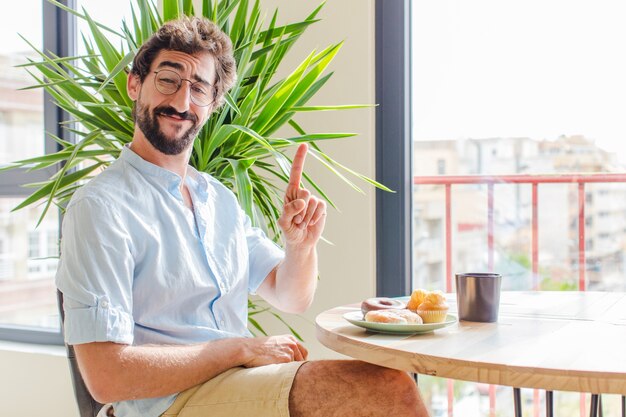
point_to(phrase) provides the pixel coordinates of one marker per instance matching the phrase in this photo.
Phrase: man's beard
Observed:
(148, 123)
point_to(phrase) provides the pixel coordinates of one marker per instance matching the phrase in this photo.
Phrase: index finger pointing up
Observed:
(297, 167)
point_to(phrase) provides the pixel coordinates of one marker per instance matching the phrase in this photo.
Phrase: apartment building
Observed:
(28, 254)
(557, 210)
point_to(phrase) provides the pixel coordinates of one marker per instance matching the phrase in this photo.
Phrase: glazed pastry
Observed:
(384, 316)
(417, 298)
(410, 316)
(380, 303)
(402, 316)
(434, 308)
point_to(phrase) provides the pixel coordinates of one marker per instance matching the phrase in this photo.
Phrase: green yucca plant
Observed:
(238, 145)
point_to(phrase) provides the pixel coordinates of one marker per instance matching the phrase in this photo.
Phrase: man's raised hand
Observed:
(304, 215)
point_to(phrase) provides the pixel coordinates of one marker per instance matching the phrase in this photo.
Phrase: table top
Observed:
(562, 341)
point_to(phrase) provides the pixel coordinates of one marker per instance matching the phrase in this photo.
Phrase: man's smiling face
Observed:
(170, 122)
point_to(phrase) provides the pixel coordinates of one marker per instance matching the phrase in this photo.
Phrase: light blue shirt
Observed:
(139, 267)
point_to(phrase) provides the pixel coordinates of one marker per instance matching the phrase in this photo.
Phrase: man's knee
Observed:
(396, 391)
(362, 374)
(348, 384)
(397, 384)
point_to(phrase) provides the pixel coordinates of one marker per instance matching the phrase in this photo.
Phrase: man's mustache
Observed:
(170, 111)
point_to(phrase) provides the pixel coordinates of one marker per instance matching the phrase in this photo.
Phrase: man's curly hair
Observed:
(191, 35)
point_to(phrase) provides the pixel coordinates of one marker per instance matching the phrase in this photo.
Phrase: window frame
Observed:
(394, 153)
(59, 37)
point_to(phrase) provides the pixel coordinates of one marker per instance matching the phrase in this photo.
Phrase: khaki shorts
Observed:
(239, 392)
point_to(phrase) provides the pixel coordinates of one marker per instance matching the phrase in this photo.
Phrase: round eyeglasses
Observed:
(169, 82)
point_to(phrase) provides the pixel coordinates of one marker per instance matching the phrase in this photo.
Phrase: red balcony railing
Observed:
(491, 180)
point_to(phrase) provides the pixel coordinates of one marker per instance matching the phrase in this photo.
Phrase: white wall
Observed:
(36, 383)
(347, 269)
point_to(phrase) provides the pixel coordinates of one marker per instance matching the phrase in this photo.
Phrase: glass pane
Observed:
(512, 90)
(28, 263)
(109, 13)
(21, 112)
(505, 89)
(29, 254)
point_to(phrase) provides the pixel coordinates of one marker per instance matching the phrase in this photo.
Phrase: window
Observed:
(27, 293)
(33, 244)
(502, 89)
(21, 112)
(29, 254)
(6, 267)
(109, 13)
(52, 244)
(499, 88)
(43, 251)
(441, 166)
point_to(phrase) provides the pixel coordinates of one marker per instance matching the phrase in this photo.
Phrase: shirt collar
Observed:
(170, 179)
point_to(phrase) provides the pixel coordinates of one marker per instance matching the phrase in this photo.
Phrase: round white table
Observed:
(566, 341)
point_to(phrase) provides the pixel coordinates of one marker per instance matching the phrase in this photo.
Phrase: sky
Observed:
(28, 11)
(532, 68)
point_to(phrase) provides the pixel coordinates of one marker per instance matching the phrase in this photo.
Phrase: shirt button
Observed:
(104, 304)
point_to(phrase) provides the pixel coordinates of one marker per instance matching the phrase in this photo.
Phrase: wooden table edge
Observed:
(490, 373)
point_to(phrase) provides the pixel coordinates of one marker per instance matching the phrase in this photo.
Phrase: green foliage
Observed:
(238, 145)
(522, 259)
(549, 284)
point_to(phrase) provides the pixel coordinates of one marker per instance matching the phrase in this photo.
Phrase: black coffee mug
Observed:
(478, 296)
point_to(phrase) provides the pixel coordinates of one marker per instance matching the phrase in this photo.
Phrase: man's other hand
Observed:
(261, 351)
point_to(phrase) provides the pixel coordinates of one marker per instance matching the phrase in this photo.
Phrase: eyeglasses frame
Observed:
(191, 83)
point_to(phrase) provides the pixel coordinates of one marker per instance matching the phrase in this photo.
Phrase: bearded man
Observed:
(158, 259)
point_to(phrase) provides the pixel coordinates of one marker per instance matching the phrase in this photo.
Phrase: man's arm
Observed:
(115, 372)
(291, 285)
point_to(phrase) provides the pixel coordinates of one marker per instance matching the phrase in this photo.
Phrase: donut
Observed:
(411, 317)
(380, 303)
(395, 316)
(384, 316)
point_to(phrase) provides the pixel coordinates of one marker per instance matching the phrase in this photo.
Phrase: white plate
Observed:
(356, 318)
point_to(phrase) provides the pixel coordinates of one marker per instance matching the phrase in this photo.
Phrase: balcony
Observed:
(591, 265)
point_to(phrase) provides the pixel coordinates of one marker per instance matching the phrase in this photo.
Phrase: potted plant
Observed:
(239, 145)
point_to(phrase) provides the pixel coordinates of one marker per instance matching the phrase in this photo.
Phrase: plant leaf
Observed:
(257, 325)
(244, 185)
(172, 9)
(327, 108)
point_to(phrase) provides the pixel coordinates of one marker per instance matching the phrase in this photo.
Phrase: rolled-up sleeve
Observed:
(95, 274)
(263, 254)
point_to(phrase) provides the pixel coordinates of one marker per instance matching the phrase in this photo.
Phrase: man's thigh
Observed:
(349, 388)
(239, 392)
